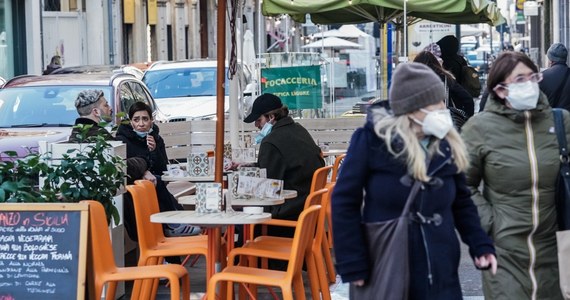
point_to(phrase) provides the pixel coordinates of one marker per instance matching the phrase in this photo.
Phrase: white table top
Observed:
(209, 178)
(191, 200)
(205, 219)
(334, 152)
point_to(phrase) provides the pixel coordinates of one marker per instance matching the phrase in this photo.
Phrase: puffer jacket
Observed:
(515, 155)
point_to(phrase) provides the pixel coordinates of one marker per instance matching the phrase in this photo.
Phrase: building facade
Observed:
(99, 32)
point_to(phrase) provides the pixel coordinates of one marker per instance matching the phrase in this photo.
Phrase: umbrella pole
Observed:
(406, 29)
(220, 91)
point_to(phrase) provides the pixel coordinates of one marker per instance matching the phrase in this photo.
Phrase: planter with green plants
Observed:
(89, 170)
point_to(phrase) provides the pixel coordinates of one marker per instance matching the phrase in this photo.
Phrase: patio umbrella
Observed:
(345, 31)
(333, 43)
(382, 11)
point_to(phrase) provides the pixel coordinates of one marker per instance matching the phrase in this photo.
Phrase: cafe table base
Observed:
(213, 222)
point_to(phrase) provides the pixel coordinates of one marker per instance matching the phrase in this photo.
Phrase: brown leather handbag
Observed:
(387, 244)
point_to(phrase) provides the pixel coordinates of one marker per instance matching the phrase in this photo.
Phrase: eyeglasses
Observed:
(534, 77)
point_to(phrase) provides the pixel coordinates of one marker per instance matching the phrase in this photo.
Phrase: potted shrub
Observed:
(89, 170)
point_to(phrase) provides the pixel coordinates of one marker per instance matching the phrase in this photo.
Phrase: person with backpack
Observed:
(456, 95)
(555, 79)
(465, 75)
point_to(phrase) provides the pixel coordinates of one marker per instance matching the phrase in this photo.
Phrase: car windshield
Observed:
(191, 82)
(41, 105)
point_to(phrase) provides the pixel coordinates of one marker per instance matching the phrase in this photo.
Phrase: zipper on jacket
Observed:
(535, 197)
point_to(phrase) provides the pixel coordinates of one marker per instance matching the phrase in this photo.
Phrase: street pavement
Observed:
(470, 279)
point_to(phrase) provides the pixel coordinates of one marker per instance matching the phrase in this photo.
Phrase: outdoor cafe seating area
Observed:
(229, 270)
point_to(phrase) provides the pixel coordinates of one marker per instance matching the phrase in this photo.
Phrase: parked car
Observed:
(186, 90)
(100, 69)
(42, 108)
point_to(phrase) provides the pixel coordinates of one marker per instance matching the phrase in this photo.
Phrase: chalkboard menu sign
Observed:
(43, 250)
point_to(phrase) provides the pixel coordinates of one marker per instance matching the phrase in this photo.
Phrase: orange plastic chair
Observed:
(280, 248)
(319, 181)
(150, 191)
(286, 280)
(153, 245)
(336, 166)
(105, 270)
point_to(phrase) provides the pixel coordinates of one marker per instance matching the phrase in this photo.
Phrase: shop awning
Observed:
(382, 11)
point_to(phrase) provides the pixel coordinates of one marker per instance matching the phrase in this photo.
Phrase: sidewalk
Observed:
(470, 281)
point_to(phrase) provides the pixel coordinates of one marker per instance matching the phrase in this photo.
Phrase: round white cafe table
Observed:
(191, 200)
(212, 222)
(286, 194)
(209, 178)
(334, 152)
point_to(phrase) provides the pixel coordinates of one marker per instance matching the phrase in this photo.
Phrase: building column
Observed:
(33, 41)
(161, 33)
(194, 30)
(212, 19)
(139, 38)
(117, 16)
(97, 33)
(179, 30)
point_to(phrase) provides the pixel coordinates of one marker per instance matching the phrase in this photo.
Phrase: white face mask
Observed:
(437, 123)
(524, 95)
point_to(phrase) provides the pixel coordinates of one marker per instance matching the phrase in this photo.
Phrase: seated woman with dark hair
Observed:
(142, 138)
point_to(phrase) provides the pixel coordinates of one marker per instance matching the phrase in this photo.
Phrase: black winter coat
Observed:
(157, 159)
(461, 98)
(369, 189)
(95, 130)
(556, 85)
(289, 153)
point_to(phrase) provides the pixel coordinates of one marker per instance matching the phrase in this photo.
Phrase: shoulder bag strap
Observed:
(414, 192)
(411, 197)
(560, 134)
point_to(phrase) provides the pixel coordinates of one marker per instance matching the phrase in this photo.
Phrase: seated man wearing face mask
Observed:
(288, 152)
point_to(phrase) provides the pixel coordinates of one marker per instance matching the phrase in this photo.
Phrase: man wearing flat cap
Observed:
(555, 83)
(93, 109)
(287, 151)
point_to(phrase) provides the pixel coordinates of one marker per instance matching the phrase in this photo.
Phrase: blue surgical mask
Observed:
(142, 134)
(264, 132)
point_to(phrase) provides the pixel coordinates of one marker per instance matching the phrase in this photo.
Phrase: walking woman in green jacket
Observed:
(513, 151)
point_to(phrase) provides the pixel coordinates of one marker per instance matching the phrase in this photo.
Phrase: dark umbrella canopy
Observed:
(382, 11)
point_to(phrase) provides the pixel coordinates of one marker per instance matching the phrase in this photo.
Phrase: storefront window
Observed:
(6, 40)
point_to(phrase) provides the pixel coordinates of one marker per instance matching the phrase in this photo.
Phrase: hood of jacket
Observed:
(449, 45)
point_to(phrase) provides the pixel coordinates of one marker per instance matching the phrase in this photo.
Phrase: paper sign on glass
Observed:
(243, 155)
(260, 187)
(209, 197)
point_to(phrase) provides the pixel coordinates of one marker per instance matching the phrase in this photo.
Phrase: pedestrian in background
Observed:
(556, 83)
(513, 151)
(54, 64)
(456, 95)
(452, 61)
(384, 158)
